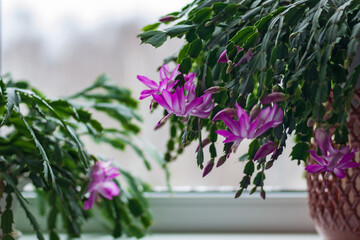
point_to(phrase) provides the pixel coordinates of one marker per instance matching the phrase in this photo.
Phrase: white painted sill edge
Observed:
(281, 212)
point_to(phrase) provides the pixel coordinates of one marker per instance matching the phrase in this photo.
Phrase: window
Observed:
(63, 45)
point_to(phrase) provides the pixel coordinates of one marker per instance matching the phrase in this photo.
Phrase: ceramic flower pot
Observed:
(335, 206)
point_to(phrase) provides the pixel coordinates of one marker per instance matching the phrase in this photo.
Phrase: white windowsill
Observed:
(202, 237)
(281, 212)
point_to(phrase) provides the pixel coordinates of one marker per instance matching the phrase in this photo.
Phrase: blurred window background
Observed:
(61, 47)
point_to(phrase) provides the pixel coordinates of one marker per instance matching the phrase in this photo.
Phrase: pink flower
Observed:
(101, 182)
(246, 58)
(244, 127)
(331, 160)
(167, 81)
(184, 106)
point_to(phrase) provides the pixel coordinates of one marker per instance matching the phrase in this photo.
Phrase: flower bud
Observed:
(208, 23)
(327, 115)
(238, 193)
(230, 67)
(263, 194)
(221, 161)
(310, 122)
(215, 89)
(167, 18)
(208, 168)
(223, 58)
(204, 142)
(273, 97)
(254, 112)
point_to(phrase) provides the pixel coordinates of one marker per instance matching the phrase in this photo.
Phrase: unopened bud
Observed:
(263, 194)
(204, 142)
(208, 168)
(208, 23)
(221, 161)
(273, 97)
(215, 89)
(238, 193)
(327, 116)
(167, 18)
(230, 67)
(310, 122)
(269, 165)
(254, 112)
(293, 35)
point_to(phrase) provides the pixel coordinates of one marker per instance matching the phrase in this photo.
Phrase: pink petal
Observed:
(193, 104)
(164, 72)
(266, 149)
(339, 173)
(148, 82)
(278, 118)
(314, 168)
(175, 72)
(147, 93)
(233, 125)
(224, 133)
(241, 112)
(318, 159)
(263, 115)
(223, 58)
(233, 138)
(322, 139)
(230, 112)
(244, 126)
(160, 100)
(178, 101)
(90, 201)
(168, 97)
(349, 165)
(252, 129)
(109, 190)
(112, 173)
(263, 128)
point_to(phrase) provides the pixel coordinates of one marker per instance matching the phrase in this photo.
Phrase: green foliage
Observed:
(42, 139)
(303, 49)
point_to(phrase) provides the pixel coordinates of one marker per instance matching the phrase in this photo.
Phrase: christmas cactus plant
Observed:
(259, 70)
(42, 141)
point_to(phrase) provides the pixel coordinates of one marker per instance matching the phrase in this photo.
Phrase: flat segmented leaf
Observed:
(46, 163)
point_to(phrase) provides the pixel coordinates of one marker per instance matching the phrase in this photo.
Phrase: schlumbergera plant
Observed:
(41, 142)
(259, 70)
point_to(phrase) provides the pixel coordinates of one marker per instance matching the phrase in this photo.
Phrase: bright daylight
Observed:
(174, 120)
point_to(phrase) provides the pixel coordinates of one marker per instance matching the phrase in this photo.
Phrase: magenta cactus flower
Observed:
(167, 81)
(331, 159)
(101, 183)
(185, 106)
(244, 127)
